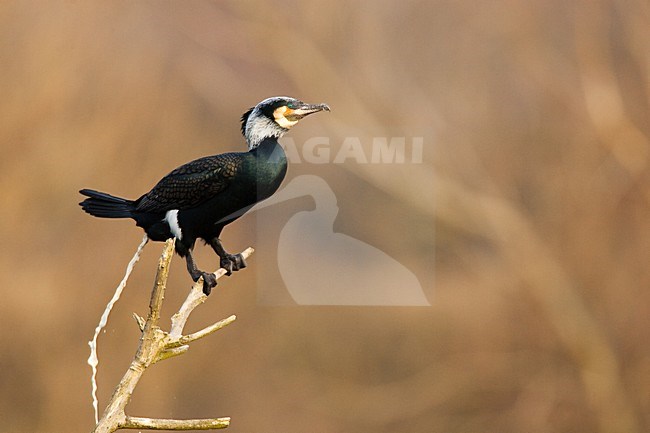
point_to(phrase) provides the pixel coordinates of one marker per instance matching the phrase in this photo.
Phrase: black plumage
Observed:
(197, 199)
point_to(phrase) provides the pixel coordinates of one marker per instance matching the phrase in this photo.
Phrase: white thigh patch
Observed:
(172, 219)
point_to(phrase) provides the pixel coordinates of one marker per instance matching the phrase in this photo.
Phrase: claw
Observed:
(241, 263)
(227, 264)
(232, 262)
(209, 281)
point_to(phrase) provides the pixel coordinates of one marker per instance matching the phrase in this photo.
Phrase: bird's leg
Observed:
(230, 262)
(209, 280)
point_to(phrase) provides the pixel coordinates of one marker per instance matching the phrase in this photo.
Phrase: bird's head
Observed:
(273, 117)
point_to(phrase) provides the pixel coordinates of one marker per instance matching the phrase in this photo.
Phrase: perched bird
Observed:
(199, 198)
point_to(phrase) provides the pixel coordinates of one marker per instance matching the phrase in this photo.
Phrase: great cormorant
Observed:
(199, 198)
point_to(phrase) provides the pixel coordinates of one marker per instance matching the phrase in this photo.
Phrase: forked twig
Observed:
(156, 345)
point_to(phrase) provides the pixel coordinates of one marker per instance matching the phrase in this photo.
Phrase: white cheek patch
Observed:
(285, 123)
(280, 111)
(279, 116)
(172, 219)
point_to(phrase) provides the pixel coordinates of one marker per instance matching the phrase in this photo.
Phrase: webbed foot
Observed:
(209, 281)
(232, 262)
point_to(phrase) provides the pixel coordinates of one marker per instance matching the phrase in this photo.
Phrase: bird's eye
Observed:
(291, 105)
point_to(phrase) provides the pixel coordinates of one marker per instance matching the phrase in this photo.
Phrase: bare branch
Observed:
(207, 331)
(172, 352)
(156, 345)
(176, 424)
(194, 299)
(93, 360)
(140, 321)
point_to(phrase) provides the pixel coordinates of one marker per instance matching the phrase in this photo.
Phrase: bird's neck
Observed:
(268, 166)
(261, 129)
(269, 150)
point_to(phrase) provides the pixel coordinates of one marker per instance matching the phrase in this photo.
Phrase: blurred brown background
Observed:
(535, 176)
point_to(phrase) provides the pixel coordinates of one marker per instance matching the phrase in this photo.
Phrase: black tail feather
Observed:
(104, 205)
